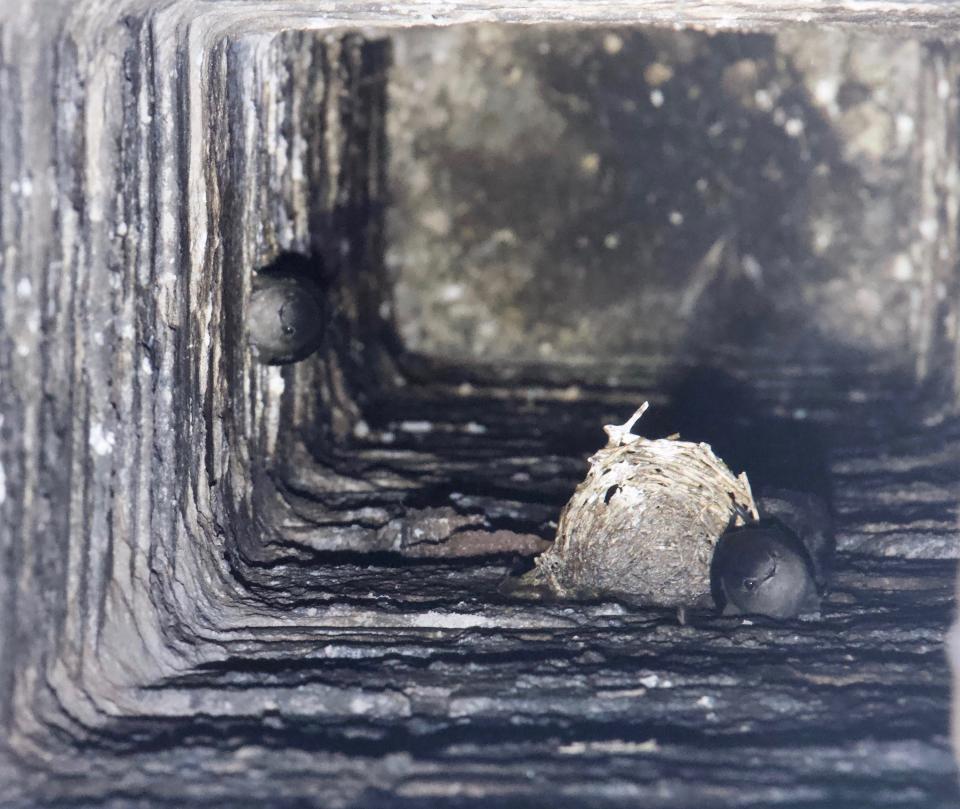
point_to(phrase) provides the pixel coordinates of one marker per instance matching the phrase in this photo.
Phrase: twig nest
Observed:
(644, 523)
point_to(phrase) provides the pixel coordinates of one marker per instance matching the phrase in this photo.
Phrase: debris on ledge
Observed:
(644, 523)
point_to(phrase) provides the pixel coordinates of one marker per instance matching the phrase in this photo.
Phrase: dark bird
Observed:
(286, 318)
(779, 565)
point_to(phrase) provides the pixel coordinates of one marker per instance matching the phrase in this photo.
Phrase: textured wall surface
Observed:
(230, 584)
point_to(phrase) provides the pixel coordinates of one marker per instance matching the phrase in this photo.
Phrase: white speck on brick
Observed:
(101, 441)
(612, 44)
(416, 426)
(793, 127)
(825, 91)
(452, 292)
(276, 384)
(905, 128)
(902, 268)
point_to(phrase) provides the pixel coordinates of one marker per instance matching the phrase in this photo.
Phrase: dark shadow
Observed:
(710, 405)
(291, 264)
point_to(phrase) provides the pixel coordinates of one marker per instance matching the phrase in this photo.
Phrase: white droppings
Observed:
(416, 426)
(763, 100)
(825, 91)
(611, 241)
(800, 414)
(474, 428)
(361, 429)
(656, 98)
(127, 331)
(676, 218)
(24, 288)
(657, 73)
(609, 747)
(753, 270)
(452, 292)
(905, 128)
(122, 229)
(590, 163)
(363, 704)
(702, 185)
(823, 233)
(450, 620)
(101, 441)
(26, 186)
(902, 268)
(387, 437)
(943, 89)
(437, 221)
(612, 44)
(650, 681)
(145, 366)
(706, 701)
(793, 127)
(928, 229)
(277, 384)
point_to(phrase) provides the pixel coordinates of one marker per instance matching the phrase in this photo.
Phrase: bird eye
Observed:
(750, 584)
